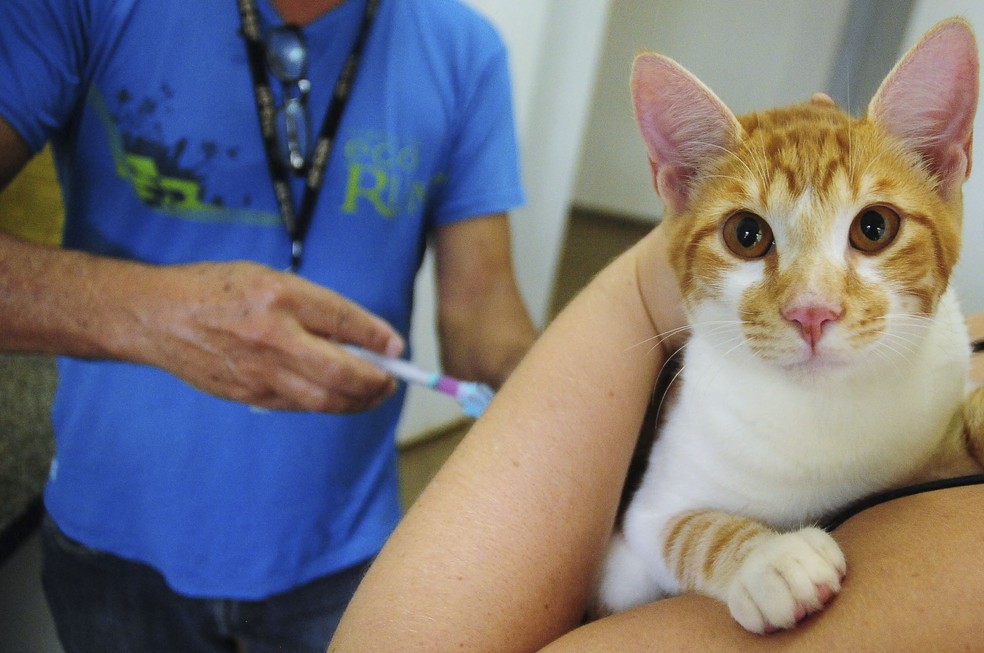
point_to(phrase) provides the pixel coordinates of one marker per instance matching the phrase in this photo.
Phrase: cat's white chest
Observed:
(788, 450)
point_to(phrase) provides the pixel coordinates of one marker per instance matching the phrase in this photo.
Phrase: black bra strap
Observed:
(883, 497)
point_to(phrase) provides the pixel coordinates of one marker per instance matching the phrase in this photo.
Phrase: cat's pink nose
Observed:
(811, 319)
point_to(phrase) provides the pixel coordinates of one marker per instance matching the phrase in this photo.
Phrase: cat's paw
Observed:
(785, 578)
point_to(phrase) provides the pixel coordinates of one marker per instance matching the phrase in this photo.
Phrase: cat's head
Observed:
(803, 235)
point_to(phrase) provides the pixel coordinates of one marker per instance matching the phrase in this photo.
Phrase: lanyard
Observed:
(297, 223)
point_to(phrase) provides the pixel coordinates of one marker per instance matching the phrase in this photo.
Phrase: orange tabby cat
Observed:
(828, 357)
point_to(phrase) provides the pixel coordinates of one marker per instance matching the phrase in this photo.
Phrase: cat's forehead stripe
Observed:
(798, 152)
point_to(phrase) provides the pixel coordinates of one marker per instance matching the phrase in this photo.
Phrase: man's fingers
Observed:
(299, 393)
(326, 378)
(273, 340)
(332, 316)
(357, 392)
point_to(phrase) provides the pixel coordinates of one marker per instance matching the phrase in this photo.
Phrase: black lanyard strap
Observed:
(297, 224)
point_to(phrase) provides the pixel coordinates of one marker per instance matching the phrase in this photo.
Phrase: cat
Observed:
(828, 357)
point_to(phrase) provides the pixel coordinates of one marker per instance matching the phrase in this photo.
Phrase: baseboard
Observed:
(579, 211)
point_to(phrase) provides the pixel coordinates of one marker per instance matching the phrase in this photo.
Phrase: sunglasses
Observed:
(287, 58)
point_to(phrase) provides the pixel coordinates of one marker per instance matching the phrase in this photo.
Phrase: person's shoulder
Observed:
(451, 11)
(453, 19)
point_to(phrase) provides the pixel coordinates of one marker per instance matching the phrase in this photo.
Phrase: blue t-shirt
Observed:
(150, 109)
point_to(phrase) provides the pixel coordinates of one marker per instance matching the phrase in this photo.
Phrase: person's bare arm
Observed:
(499, 551)
(483, 324)
(237, 330)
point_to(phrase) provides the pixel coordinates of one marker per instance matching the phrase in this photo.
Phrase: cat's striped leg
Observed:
(769, 580)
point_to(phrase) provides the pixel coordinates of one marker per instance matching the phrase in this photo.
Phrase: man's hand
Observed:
(247, 333)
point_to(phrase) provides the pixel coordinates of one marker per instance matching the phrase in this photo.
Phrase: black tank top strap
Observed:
(883, 497)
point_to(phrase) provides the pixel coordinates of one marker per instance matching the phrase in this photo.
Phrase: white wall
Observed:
(752, 53)
(969, 275)
(554, 51)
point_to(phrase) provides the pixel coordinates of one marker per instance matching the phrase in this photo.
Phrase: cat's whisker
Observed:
(731, 153)
(876, 159)
(719, 147)
(850, 148)
(739, 340)
(669, 384)
(761, 160)
(886, 351)
(850, 133)
(911, 328)
(659, 338)
(715, 327)
(738, 180)
(898, 343)
(906, 337)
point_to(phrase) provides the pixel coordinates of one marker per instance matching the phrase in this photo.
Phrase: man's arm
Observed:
(14, 153)
(483, 324)
(239, 330)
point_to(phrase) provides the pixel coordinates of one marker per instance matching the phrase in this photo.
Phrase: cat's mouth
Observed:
(818, 364)
(819, 358)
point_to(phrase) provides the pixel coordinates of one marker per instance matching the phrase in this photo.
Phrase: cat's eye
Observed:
(874, 228)
(747, 235)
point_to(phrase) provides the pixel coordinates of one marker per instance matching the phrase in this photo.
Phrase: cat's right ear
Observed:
(683, 123)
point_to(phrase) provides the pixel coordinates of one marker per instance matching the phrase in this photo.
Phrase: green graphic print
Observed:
(381, 173)
(384, 173)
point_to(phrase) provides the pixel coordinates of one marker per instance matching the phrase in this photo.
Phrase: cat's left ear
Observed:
(929, 100)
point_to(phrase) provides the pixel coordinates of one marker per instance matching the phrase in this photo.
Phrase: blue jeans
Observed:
(103, 603)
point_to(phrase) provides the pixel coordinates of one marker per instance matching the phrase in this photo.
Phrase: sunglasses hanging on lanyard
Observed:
(286, 129)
